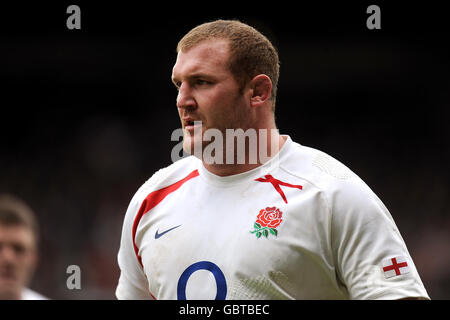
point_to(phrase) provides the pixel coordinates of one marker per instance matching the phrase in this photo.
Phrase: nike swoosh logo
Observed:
(158, 235)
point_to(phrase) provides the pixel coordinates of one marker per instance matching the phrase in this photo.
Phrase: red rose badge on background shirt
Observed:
(267, 221)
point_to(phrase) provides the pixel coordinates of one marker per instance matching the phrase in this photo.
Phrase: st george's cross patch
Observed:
(395, 266)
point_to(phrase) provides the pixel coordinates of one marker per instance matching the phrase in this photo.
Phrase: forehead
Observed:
(208, 55)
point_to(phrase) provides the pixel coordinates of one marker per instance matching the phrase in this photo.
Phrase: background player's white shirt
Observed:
(333, 242)
(28, 294)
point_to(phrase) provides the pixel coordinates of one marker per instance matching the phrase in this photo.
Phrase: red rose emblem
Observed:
(269, 217)
(267, 221)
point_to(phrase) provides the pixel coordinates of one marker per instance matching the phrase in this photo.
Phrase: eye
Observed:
(202, 82)
(176, 83)
(19, 249)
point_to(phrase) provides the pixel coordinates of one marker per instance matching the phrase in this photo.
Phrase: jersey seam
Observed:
(330, 213)
(164, 192)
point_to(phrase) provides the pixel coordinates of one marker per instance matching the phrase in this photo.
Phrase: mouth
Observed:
(190, 124)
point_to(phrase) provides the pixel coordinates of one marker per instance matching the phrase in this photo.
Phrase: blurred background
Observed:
(86, 116)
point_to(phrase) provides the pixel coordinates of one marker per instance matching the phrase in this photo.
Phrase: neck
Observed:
(251, 156)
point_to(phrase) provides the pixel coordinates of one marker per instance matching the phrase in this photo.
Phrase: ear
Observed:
(261, 86)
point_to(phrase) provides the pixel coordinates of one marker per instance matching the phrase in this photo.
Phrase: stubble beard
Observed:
(194, 144)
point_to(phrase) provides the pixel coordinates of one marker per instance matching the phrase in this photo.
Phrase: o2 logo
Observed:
(203, 265)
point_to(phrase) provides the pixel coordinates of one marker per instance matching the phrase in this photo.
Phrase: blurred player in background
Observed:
(18, 249)
(300, 225)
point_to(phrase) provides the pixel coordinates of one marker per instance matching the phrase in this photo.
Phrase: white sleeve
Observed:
(133, 284)
(364, 239)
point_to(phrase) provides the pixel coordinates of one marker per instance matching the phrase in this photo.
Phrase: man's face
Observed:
(17, 259)
(208, 91)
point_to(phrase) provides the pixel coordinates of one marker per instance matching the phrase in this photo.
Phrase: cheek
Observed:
(25, 265)
(221, 106)
(227, 114)
(29, 259)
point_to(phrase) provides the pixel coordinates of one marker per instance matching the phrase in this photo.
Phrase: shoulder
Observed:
(317, 167)
(167, 176)
(343, 189)
(133, 282)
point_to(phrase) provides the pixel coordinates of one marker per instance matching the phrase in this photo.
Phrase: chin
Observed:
(193, 145)
(11, 288)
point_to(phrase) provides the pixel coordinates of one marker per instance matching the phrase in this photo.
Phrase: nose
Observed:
(185, 99)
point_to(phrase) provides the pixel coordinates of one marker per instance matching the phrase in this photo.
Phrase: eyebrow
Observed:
(194, 75)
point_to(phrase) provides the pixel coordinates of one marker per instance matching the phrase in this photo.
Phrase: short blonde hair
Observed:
(251, 53)
(15, 212)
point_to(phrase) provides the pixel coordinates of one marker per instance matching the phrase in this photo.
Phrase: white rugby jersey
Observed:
(301, 226)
